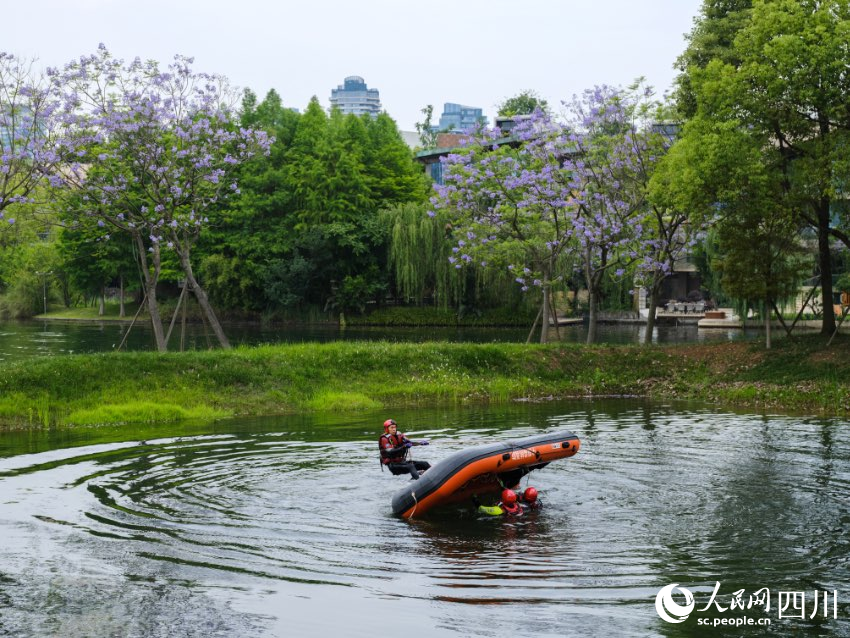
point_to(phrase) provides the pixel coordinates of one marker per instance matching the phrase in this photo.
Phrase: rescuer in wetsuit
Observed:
(528, 499)
(394, 446)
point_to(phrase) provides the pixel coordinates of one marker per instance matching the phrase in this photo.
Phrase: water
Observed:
(283, 527)
(20, 340)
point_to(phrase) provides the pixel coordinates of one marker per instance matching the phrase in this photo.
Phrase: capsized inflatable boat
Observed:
(483, 469)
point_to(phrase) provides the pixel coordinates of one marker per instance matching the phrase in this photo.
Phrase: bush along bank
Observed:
(800, 376)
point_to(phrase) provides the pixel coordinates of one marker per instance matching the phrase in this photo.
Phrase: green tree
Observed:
(524, 103)
(92, 263)
(712, 38)
(781, 91)
(305, 230)
(33, 279)
(426, 129)
(761, 258)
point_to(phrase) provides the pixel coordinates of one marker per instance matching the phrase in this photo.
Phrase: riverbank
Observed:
(390, 316)
(802, 376)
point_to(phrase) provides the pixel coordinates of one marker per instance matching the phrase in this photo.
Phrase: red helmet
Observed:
(508, 497)
(530, 495)
(388, 423)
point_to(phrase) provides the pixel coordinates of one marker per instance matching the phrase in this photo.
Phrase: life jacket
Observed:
(512, 510)
(393, 441)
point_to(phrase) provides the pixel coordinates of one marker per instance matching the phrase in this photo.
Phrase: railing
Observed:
(685, 307)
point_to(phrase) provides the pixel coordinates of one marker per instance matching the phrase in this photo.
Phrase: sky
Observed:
(472, 52)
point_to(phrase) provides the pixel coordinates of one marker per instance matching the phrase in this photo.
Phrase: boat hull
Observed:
(483, 469)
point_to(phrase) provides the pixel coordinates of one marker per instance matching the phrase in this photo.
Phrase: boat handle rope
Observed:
(415, 504)
(514, 446)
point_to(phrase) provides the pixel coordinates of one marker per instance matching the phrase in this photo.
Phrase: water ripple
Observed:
(216, 522)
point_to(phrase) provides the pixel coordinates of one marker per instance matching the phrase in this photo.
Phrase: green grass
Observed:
(143, 412)
(445, 317)
(89, 313)
(145, 387)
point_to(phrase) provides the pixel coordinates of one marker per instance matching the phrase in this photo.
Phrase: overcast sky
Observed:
(474, 52)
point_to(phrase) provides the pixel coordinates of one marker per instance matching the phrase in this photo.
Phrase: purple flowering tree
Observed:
(668, 231)
(149, 153)
(572, 192)
(505, 209)
(28, 136)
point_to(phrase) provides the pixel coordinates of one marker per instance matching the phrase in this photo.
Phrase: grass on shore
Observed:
(797, 376)
(111, 312)
(387, 316)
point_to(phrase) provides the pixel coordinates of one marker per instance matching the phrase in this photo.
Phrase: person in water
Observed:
(508, 506)
(528, 499)
(394, 447)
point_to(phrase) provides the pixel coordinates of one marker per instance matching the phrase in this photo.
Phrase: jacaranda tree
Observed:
(150, 153)
(28, 136)
(572, 192)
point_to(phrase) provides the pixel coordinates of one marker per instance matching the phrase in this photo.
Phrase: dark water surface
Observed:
(21, 339)
(283, 527)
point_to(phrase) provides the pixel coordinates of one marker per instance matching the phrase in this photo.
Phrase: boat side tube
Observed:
(481, 470)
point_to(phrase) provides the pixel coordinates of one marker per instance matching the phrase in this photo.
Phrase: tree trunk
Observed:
(780, 318)
(654, 292)
(767, 328)
(121, 297)
(828, 325)
(553, 311)
(150, 280)
(183, 325)
(153, 311)
(592, 314)
(534, 325)
(101, 302)
(544, 313)
(593, 277)
(201, 296)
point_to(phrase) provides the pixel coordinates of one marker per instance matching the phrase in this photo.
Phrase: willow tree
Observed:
(422, 261)
(418, 254)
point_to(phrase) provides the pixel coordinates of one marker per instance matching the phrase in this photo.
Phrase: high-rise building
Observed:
(457, 117)
(16, 128)
(353, 96)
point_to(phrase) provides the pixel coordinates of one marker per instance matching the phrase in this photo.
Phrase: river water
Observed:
(283, 527)
(22, 339)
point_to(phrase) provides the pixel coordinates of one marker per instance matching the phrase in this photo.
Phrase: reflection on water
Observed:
(39, 338)
(280, 527)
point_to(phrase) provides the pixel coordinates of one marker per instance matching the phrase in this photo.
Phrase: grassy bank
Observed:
(388, 316)
(800, 376)
(444, 317)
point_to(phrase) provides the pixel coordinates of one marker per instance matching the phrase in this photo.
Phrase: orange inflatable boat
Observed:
(481, 470)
